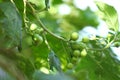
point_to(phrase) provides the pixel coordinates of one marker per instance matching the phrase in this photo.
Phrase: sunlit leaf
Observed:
(109, 14)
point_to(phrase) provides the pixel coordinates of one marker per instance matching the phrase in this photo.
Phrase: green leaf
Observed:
(83, 18)
(20, 6)
(47, 3)
(100, 65)
(54, 61)
(109, 14)
(56, 2)
(11, 23)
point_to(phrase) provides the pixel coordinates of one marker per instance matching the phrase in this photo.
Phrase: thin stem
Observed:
(109, 43)
(46, 41)
(42, 25)
(41, 10)
(96, 49)
(24, 13)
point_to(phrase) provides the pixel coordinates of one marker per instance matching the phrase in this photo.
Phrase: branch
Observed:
(43, 26)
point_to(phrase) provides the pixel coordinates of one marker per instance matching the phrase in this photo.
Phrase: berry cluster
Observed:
(35, 33)
(78, 49)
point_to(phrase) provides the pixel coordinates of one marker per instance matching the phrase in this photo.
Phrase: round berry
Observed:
(74, 36)
(70, 65)
(85, 39)
(116, 44)
(75, 45)
(83, 53)
(74, 60)
(33, 27)
(78, 45)
(37, 39)
(76, 53)
(109, 35)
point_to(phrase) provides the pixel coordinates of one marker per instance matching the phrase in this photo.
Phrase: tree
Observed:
(37, 43)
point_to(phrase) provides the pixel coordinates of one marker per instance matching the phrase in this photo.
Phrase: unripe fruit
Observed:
(39, 31)
(116, 44)
(37, 39)
(33, 27)
(93, 37)
(75, 45)
(103, 42)
(78, 45)
(70, 65)
(83, 53)
(85, 39)
(74, 36)
(74, 60)
(109, 35)
(76, 53)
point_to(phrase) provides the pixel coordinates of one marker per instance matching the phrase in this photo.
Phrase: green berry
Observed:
(85, 39)
(76, 53)
(74, 36)
(83, 53)
(75, 45)
(109, 35)
(74, 60)
(116, 44)
(37, 39)
(70, 65)
(39, 31)
(33, 27)
(78, 45)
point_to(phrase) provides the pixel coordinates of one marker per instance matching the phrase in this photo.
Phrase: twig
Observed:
(46, 42)
(42, 25)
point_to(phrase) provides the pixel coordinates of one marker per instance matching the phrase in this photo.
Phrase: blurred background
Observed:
(29, 57)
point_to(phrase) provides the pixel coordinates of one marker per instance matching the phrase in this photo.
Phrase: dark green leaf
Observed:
(20, 6)
(54, 61)
(56, 2)
(47, 3)
(11, 23)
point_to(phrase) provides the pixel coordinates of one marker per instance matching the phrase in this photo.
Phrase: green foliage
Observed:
(47, 42)
(86, 18)
(11, 23)
(57, 2)
(54, 61)
(109, 14)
